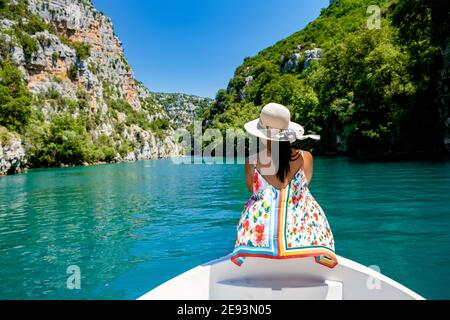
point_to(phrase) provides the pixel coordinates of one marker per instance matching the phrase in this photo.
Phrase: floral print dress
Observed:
(280, 224)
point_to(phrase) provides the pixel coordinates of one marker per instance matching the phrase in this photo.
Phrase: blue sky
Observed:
(194, 46)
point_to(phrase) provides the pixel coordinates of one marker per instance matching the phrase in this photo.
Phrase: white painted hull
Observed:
(289, 279)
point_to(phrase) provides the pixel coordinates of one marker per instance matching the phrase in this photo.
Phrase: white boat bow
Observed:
(270, 279)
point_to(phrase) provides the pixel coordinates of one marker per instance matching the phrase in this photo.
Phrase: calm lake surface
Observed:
(131, 226)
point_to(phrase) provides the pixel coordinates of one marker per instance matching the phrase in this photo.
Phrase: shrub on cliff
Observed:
(26, 21)
(29, 45)
(82, 50)
(159, 127)
(72, 72)
(64, 141)
(15, 100)
(4, 136)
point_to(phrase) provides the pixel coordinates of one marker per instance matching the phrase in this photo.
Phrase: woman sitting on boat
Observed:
(282, 219)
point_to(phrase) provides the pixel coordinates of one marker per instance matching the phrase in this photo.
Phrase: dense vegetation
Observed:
(15, 109)
(374, 91)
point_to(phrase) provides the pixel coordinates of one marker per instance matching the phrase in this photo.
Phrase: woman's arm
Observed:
(308, 165)
(249, 168)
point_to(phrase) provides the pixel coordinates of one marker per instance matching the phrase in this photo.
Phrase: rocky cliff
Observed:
(182, 108)
(12, 153)
(84, 104)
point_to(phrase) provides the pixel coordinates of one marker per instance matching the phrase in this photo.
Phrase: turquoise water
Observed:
(130, 227)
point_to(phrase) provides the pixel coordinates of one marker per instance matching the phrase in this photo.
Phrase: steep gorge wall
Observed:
(78, 68)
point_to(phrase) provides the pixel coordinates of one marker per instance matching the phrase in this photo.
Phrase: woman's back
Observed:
(282, 219)
(266, 167)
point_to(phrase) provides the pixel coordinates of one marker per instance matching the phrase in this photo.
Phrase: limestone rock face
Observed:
(182, 108)
(80, 59)
(12, 153)
(106, 65)
(312, 55)
(293, 62)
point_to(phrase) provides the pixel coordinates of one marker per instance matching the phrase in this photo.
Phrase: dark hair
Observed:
(285, 157)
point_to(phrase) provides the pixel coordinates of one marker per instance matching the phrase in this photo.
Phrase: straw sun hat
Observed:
(275, 124)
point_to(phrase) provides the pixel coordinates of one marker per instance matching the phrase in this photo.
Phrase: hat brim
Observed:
(253, 129)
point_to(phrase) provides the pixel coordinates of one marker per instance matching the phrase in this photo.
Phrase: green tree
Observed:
(64, 141)
(423, 28)
(15, 100)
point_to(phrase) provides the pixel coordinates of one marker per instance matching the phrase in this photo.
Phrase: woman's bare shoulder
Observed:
(249, 165)
(304, 155)
(250, 161)
(307, 156)
(308, 165)
(306, 159)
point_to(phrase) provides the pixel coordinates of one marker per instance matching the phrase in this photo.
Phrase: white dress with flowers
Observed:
(280, 224)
